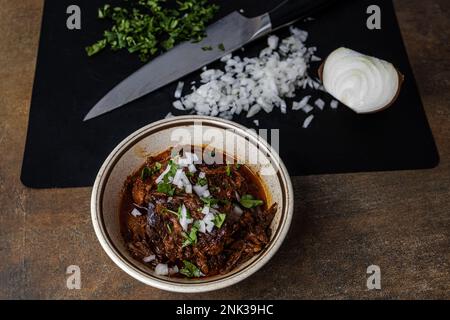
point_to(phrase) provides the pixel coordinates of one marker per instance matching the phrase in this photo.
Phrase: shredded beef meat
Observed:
(173, 221)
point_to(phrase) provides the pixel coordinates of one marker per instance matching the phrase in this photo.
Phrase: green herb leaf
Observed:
(190, 270)
(219, 219)
(191, 237)
(172, 212)
(228, 170)
(147, 172)
(209, 202)
(207, 48)
(157, 166)
(202, 182)
(169, 228)
(248, 201)
(145, 27)
(96, 47)
(166, 187)
(221, 47)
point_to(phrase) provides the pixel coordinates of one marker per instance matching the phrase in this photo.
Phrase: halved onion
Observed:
(363, 83)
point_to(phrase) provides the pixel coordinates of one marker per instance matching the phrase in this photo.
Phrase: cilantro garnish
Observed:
(209, 202)
(249, 202)
(165, 186)
(148, 26)
(191, 237)
(219, 219)
(190, 270)
(202, 182)
(147, 172)
(228, 170)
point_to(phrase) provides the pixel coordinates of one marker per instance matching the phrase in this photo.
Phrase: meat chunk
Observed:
(139, 191)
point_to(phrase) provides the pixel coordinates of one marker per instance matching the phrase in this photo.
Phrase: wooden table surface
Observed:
(343, 223)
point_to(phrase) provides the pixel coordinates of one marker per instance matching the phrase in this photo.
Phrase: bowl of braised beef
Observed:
(192, 204)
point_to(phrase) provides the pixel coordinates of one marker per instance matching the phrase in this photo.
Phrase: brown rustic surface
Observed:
(343, 223)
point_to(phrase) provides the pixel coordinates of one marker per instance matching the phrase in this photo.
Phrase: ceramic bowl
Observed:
(157, 137)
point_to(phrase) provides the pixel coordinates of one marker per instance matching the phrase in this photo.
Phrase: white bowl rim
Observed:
(132, 270)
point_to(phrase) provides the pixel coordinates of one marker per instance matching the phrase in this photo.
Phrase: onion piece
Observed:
(150, 258)
(363, 83)
(136, 213)
(238, 210)
(200, 190)
(174, 270)
(162, 269)
(184, 221)
(307, 121)
(162, 175)
(179, 90)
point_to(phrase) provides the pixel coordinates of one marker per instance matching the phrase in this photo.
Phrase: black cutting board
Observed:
(63, 151)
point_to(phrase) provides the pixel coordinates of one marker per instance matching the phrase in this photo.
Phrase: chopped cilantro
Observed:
(147, 172)
(228, 170)
(190, 270)
(191, 237)
(207, 48)
(202, 182)
(149, 26)
(209, 202)
(248, 201)
(221, 47)
(219, 220)
(166, 187)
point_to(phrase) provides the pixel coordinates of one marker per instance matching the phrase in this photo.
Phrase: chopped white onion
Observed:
(253, 84)
(238, 210)
(178, 105)
(136, 213)
(206, 194)
(200, 190)
(179, 90)
(307, 121)
(192, 168)
(162, 269)
(174, 270)
(205, 210)
(363, 83)
(149, 258)
(209, 222)
(202, 226)
(334, 104)
(301, 104)
(307, 108)
(320, 104)
(272, 41)
(184, 220)
(177, 178)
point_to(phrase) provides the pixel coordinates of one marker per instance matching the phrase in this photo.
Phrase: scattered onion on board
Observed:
(363, 83)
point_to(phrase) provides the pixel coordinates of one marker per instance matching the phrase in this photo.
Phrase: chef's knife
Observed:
(233, 31)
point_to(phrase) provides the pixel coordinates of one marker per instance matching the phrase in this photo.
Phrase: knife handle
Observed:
(290, 11)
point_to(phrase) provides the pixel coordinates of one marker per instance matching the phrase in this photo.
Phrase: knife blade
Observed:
(233, 31)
